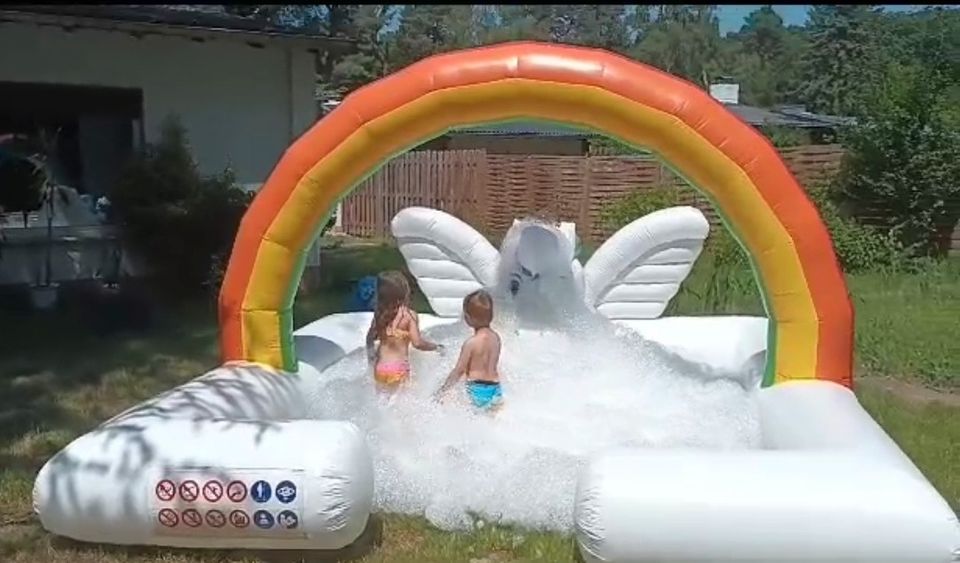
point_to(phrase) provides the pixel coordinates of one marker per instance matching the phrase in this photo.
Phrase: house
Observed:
(517, 137)
(532, 137)
(108, 75)
(816, 127)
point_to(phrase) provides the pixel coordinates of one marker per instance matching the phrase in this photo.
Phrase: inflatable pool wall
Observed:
(224, 461)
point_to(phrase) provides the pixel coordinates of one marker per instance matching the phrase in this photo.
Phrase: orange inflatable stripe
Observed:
(546, 65)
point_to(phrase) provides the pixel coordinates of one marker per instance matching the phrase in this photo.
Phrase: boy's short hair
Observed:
(478, 309)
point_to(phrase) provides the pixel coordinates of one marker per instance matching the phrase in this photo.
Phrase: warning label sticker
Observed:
(228, 502)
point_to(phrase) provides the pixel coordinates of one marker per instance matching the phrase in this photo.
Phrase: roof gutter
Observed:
(195, 33)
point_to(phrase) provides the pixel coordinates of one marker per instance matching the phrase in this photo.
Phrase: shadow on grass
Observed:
(34, 378)
(61, 374)
(368, 541)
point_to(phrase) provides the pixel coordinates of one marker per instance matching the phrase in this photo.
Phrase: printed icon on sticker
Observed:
(263, 519)
(260, 491)
(239, 519)
(286, 491)
(288, 519)
(237, 491)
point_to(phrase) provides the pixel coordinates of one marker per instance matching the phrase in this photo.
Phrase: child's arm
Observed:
(415, 339)
(458, 370)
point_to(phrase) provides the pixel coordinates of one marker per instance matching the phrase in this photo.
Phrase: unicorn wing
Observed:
(639, 269)
(448, 257)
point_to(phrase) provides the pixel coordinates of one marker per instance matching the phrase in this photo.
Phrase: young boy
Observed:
(479, 355)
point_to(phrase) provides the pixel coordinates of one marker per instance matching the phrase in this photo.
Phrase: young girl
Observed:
(395, 326)
(479, 357)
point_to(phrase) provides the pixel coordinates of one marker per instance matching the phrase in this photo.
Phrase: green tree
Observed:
(929, 38)
(762, 58)
(516, 22)
(833, 78)
(367, 25)
(683, 40)
(903, 157)
(763, 33)
(427, 29)
(604, 26)
(179, 221)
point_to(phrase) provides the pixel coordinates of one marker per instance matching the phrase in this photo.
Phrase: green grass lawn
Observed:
(59, 380)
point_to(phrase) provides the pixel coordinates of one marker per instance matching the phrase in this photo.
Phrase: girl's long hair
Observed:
(393, 291)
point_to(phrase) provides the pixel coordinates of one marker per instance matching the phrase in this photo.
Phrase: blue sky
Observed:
(732, 16)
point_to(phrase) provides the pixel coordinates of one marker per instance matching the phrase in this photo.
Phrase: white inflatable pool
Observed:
(232, 460)
(184, 470)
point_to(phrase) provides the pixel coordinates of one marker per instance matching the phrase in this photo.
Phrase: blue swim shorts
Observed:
(484, 394)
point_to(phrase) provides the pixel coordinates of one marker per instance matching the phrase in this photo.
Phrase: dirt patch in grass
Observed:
(911, 391)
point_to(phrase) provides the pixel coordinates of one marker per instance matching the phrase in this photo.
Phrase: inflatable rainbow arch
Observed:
(811, 328)
(220, 462)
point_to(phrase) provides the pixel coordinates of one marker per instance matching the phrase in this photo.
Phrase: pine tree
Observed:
(833, 70)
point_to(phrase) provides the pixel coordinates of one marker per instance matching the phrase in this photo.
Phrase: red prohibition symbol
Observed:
(216, 519)
(166, 490)
(189, 491)
(236, 491)
(212, 491)
(239, 519)
(191, 518)
(168, 518)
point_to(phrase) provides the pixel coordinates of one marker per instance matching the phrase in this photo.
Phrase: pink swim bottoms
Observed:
(392, 372)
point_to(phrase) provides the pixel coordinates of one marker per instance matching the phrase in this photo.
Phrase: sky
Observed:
(732, 16)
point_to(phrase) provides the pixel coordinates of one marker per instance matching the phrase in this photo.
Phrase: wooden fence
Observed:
(490, 190)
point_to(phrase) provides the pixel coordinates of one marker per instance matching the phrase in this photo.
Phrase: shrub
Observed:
(636, 204)
(720, 276)
(903, 158)
(601, 145)
(858, 247)
(723, 275)
(782, 137)
(182, 224)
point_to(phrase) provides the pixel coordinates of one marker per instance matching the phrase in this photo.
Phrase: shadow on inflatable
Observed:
(230, 461)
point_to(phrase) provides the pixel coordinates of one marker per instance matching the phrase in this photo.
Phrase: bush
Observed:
(903, 158)
(858, 247)
(636, 204)
(782, 137)
(180, 223)
(723, 271)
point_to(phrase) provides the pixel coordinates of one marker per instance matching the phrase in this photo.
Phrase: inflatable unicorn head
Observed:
(633, 275)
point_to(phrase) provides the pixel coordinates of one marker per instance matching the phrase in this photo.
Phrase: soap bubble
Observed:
(570, 389)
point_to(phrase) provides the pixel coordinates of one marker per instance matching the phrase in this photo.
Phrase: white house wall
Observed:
(241, 105)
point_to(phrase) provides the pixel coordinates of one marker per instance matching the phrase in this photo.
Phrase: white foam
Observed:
(568, 394)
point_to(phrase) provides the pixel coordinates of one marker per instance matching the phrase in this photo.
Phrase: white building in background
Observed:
(113, 73)
(108, 76)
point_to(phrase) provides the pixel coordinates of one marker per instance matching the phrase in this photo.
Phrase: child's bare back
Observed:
(479, 356)
(482, 352)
